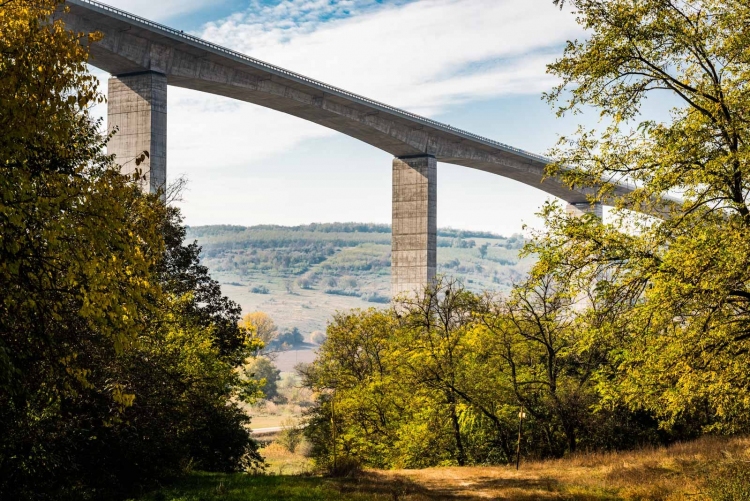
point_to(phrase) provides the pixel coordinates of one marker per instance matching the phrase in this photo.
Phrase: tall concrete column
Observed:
(579, 209)
(137, 105)
(414, 240)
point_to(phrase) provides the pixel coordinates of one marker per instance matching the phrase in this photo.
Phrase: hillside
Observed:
(301, 275)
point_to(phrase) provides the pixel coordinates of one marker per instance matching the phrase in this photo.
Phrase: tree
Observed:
(679, 281)
(78, 248)
(265, 328)
(483, 250)
(440, 379)
(290, 337)
(262, 370)
(117, 351)
(355, 382)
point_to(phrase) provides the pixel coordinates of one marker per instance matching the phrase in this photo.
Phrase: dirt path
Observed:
(485, 483)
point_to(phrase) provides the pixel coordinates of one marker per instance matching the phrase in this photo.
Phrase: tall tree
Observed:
(680, 281)
(117, 351)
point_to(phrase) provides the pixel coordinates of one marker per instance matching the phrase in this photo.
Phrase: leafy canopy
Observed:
(673, 290)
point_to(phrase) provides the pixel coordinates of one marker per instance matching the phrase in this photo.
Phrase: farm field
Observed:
(302, 275)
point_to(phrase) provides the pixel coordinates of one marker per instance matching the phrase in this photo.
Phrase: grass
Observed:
(282, 462)
(239, 487)
(709, 469)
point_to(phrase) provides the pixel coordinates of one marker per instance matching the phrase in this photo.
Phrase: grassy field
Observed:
(710, 469)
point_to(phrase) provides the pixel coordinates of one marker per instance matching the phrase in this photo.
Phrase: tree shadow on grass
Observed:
(399, 487)
(365, 486)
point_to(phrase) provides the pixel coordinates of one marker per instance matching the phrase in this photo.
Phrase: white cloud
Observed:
(212, 132)
(422, 55)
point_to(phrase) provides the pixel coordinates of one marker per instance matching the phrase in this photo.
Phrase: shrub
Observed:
(290, 337)
(349, 281)
(318, 337)
(343, 292)
(261, 369)
(729, 482)
(291, 435)
(305, 283)
(377, 298)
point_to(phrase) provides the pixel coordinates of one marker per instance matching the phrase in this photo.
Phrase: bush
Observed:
(290, 337)
(377, 298)
(260, 289)
(305, 283)
(291, 435)
(318, 337)
(343, 292)
(262, 369)
(348, 281)
(729, 482)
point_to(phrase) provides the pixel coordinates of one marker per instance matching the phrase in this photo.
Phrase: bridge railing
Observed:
(312, 81)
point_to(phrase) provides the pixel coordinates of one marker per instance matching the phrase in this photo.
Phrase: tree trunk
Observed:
(456, 430)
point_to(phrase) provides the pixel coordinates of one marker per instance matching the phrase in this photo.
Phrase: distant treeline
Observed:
(213, 230)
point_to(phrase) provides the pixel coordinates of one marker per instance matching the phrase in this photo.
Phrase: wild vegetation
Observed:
(707, 469)
(117, 350)
(440, 380)
(633, 330)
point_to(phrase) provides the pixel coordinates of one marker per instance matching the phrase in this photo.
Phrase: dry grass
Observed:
(704, 469)
(710, 469)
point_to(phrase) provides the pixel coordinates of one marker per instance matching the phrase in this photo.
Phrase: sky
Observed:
(475, 64)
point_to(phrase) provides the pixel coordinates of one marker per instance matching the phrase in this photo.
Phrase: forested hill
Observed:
(301, 275)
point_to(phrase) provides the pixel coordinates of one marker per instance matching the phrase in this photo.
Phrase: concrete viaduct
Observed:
(144, 57)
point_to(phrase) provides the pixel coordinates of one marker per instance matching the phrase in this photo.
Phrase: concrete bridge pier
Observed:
(137, 105)
(579, 209)
(414, 237)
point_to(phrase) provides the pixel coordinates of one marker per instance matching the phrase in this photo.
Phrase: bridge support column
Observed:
(137, 105)
(579, 209)
(414, 240)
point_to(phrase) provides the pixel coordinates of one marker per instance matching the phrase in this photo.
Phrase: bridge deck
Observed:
(133, 44)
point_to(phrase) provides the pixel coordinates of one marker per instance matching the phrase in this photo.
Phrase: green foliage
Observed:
(668, 297)
(117, 350)
(262, 370)
(242, 487)
(289, 337)
(291, 436)
(440, 379)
